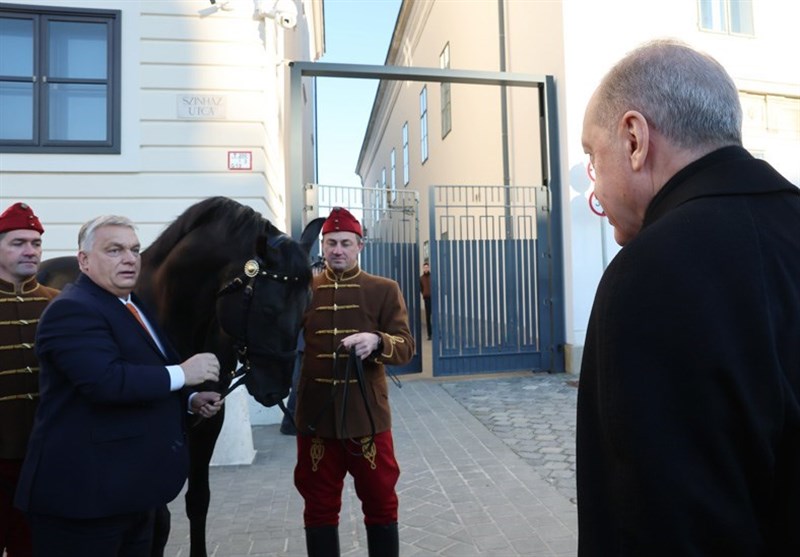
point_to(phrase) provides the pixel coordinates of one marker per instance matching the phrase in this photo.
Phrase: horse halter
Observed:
(253, 270)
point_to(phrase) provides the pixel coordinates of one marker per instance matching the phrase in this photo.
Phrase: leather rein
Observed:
(353, 361)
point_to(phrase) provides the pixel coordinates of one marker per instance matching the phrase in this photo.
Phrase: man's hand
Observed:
(201, 367)
(206, 403)
(365, 343)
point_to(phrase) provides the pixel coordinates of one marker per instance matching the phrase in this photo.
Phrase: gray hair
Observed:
(686, 95)
(87, 232)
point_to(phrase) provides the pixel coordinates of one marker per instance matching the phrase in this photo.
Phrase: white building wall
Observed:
(170, 49)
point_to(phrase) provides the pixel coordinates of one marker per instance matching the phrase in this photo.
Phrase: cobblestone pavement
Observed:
(534, 415)
(485, 471)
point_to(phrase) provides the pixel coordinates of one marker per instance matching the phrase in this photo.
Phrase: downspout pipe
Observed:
(501, 24)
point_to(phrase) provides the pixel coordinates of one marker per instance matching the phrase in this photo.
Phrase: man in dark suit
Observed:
(108, 446)
(688, 430)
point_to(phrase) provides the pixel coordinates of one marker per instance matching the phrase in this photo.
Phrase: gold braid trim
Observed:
(27, 369)
(332, 356)
(337, 307)
(369, 450)
(26, 396)
(338, 285)
(21, 299)
(20, 322)
(393, 339)
(317, 452)
(336, 331)
(332, 276)
(334, 382)
(26, 345)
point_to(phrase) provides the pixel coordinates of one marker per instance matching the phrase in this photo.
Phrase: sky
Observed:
(356, 32)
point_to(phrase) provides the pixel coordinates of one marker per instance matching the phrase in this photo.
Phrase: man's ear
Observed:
(637, 136)
(82, 258)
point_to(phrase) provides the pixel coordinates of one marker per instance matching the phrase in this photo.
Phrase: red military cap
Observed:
(20, 217)
(340, 220)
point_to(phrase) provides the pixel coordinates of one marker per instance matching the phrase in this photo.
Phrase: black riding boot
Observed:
(322, 541)
(383, 540)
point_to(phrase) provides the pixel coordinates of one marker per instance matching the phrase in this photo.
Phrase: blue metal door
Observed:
(491, 276)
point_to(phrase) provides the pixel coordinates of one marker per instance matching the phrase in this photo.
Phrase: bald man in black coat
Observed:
(689, 403)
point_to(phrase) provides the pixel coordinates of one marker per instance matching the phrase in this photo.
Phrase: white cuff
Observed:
(176, 378)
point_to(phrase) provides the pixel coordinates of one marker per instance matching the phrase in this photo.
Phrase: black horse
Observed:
(221, 279)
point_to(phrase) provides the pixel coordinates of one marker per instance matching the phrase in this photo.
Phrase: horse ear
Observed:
(311, 233)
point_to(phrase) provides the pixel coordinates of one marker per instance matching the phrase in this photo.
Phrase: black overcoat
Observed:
(688, 409)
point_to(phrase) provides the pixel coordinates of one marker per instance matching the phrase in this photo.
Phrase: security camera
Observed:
(286, 20)
(283, 12)
(221, 5)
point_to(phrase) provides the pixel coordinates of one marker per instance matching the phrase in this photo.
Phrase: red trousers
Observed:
(15, 535)
(322, 465)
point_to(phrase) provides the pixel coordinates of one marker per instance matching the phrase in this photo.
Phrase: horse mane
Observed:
(239, 221)
(238, 227)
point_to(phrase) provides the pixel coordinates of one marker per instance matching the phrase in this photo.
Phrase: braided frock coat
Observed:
(19, 369)
(344, 304)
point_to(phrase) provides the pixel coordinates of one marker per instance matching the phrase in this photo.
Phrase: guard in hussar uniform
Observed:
(343, 422)
(22, 301)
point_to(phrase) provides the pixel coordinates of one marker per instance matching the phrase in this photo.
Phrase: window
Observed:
(444, 63)
(423, 124)
(405, 154)
(59, 80)
(727, 16)
(393, 175)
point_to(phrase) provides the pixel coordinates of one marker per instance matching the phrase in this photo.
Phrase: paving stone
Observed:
(487, 469)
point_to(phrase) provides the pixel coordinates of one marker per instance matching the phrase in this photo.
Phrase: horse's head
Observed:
(262, 310)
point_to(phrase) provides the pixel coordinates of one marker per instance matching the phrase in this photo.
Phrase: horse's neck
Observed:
(184, 305)
(144, 288)
(180, 282)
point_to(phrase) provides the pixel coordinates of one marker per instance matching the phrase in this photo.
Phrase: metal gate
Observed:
(391, 235)
(491, 271)
(507, 333)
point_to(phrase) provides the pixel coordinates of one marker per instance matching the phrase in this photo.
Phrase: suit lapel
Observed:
(120, 315)
(169, 352)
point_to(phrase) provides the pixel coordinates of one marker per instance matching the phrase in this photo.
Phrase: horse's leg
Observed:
(202, 439)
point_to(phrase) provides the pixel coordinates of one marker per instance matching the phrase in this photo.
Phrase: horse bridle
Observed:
(252, 271)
